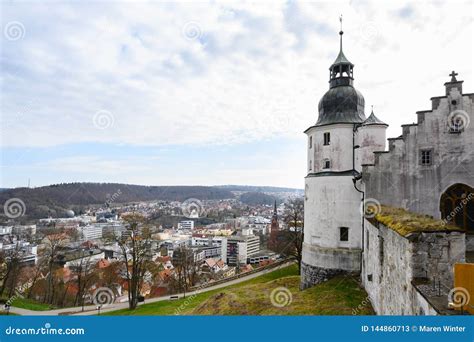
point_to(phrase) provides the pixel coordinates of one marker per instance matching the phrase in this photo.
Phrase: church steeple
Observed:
(341, 71)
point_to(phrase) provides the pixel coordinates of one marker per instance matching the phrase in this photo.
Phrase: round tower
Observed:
(370, 137)
(332, 225)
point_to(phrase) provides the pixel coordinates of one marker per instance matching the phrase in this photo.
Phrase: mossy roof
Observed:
(405, 222)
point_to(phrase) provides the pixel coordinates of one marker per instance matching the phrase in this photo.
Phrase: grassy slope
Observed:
(338, 296)
(31, 304)
(170, 307)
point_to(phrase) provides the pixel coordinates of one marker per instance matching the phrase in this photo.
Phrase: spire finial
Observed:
(341, 32)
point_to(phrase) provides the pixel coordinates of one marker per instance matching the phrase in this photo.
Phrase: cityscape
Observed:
(291, 164)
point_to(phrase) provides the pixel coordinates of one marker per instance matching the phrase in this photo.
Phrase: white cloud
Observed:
(254, 70)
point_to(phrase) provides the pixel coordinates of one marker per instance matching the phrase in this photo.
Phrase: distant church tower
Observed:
(274, 230)
(338, 144)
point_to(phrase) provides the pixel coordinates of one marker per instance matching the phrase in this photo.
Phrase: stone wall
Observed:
(312, 275)
(391, 263)
(397, 177)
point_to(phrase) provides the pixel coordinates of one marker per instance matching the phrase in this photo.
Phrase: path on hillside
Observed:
(92, 309)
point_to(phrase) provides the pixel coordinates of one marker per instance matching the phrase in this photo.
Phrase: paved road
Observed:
(91, 309)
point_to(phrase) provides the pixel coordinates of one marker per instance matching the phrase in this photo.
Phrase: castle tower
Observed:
(333, 220)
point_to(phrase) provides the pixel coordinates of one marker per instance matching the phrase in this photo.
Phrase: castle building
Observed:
(341, 141)
(427, 171)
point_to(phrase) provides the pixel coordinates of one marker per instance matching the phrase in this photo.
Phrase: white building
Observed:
(204, 240)
(338, 144)
(91, 232)
(186, 225)
(240, 248)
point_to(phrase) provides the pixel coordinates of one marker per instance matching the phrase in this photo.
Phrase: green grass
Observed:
(338, 296)
(31, 304)
(168, 307)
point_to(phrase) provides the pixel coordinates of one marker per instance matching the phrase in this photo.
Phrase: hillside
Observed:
(255, 188)
(338, 296)
(257, 198)
(61, 197)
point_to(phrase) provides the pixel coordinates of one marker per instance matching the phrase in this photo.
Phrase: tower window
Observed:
(310, 165)
(426, 157)
(326, 164)
(310, 141)
(344, 234)
(327, 138)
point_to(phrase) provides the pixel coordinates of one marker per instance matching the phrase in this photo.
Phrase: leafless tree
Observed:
(10, 270)
(135, 254)
(83, 270)
(186, 268)
(53, 243)
(294, 219)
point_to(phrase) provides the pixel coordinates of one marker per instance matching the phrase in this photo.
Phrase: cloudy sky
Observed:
(206, 93)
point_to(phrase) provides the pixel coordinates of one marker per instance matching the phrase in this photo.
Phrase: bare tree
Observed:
(11, 269)
(53, 244)
(294, 219)
(186, 268)
(135, 254)
(83, 270)
(35, 273)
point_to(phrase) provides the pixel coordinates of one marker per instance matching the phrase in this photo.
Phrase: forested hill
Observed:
(64, 196)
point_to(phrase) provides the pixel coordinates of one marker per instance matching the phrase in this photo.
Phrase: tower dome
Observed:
(342, 103)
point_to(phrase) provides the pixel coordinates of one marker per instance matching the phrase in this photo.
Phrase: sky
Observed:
(206, 93)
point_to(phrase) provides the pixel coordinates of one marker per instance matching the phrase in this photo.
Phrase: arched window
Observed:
(457, 206)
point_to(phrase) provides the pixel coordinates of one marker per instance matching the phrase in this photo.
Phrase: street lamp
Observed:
(7, 308)
(98, 309)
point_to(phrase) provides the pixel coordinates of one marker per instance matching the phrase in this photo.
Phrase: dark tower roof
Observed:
(342, 103)
(373, 120)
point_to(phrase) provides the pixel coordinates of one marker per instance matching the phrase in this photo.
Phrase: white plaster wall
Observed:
(370, 138)
(339, 151)
(331, 202)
